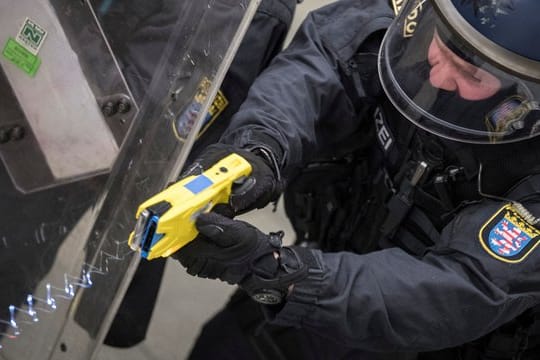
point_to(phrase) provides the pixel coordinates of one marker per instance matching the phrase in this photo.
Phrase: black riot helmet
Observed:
(466, 70)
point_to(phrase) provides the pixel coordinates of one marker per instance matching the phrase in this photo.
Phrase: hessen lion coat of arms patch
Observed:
(508, 237)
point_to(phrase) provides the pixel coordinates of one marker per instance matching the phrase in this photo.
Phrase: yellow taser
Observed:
(166, 221)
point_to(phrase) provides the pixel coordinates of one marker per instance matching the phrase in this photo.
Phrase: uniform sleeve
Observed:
(299, 101)
(460, 290)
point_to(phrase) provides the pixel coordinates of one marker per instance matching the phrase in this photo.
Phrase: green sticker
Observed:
(21, 57)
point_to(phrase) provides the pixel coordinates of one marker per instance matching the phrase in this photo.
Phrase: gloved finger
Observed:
(222, 231)
(185, 261)
(194, 169)
(224, 209)
(197, 267)
(209, 157)
(212, 225)
(199, 247)
(255, 193)
(211, 270)
(245, 196)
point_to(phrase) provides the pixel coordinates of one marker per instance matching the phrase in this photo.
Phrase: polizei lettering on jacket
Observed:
(383, 133)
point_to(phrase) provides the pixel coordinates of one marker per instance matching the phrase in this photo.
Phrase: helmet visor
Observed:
(445, 87)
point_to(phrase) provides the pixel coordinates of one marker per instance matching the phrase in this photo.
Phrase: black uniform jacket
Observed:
(484, 269)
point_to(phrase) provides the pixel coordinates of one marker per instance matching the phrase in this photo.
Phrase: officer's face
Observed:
(450, 72)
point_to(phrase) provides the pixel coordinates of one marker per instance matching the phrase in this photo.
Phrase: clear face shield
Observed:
(100, 103)
(450, 89)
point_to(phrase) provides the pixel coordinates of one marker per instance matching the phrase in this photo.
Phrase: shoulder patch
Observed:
(508, 237)
(186, 120)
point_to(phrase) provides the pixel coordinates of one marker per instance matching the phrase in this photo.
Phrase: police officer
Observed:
(415, 192)
(138, 32)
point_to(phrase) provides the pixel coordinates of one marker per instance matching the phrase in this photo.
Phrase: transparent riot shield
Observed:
(100, 104)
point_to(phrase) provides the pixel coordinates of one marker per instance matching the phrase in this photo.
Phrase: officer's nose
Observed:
(452, 73)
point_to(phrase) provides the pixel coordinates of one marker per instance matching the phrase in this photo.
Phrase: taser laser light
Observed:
(166, 221)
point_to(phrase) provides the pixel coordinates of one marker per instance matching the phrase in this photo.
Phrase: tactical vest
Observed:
(396, 181)
(400, 186)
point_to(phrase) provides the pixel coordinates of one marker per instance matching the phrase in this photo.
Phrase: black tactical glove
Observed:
(262, 186)
(238, 253)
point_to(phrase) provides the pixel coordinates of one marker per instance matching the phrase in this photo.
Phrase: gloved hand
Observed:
(238, 253)
(263, 185)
